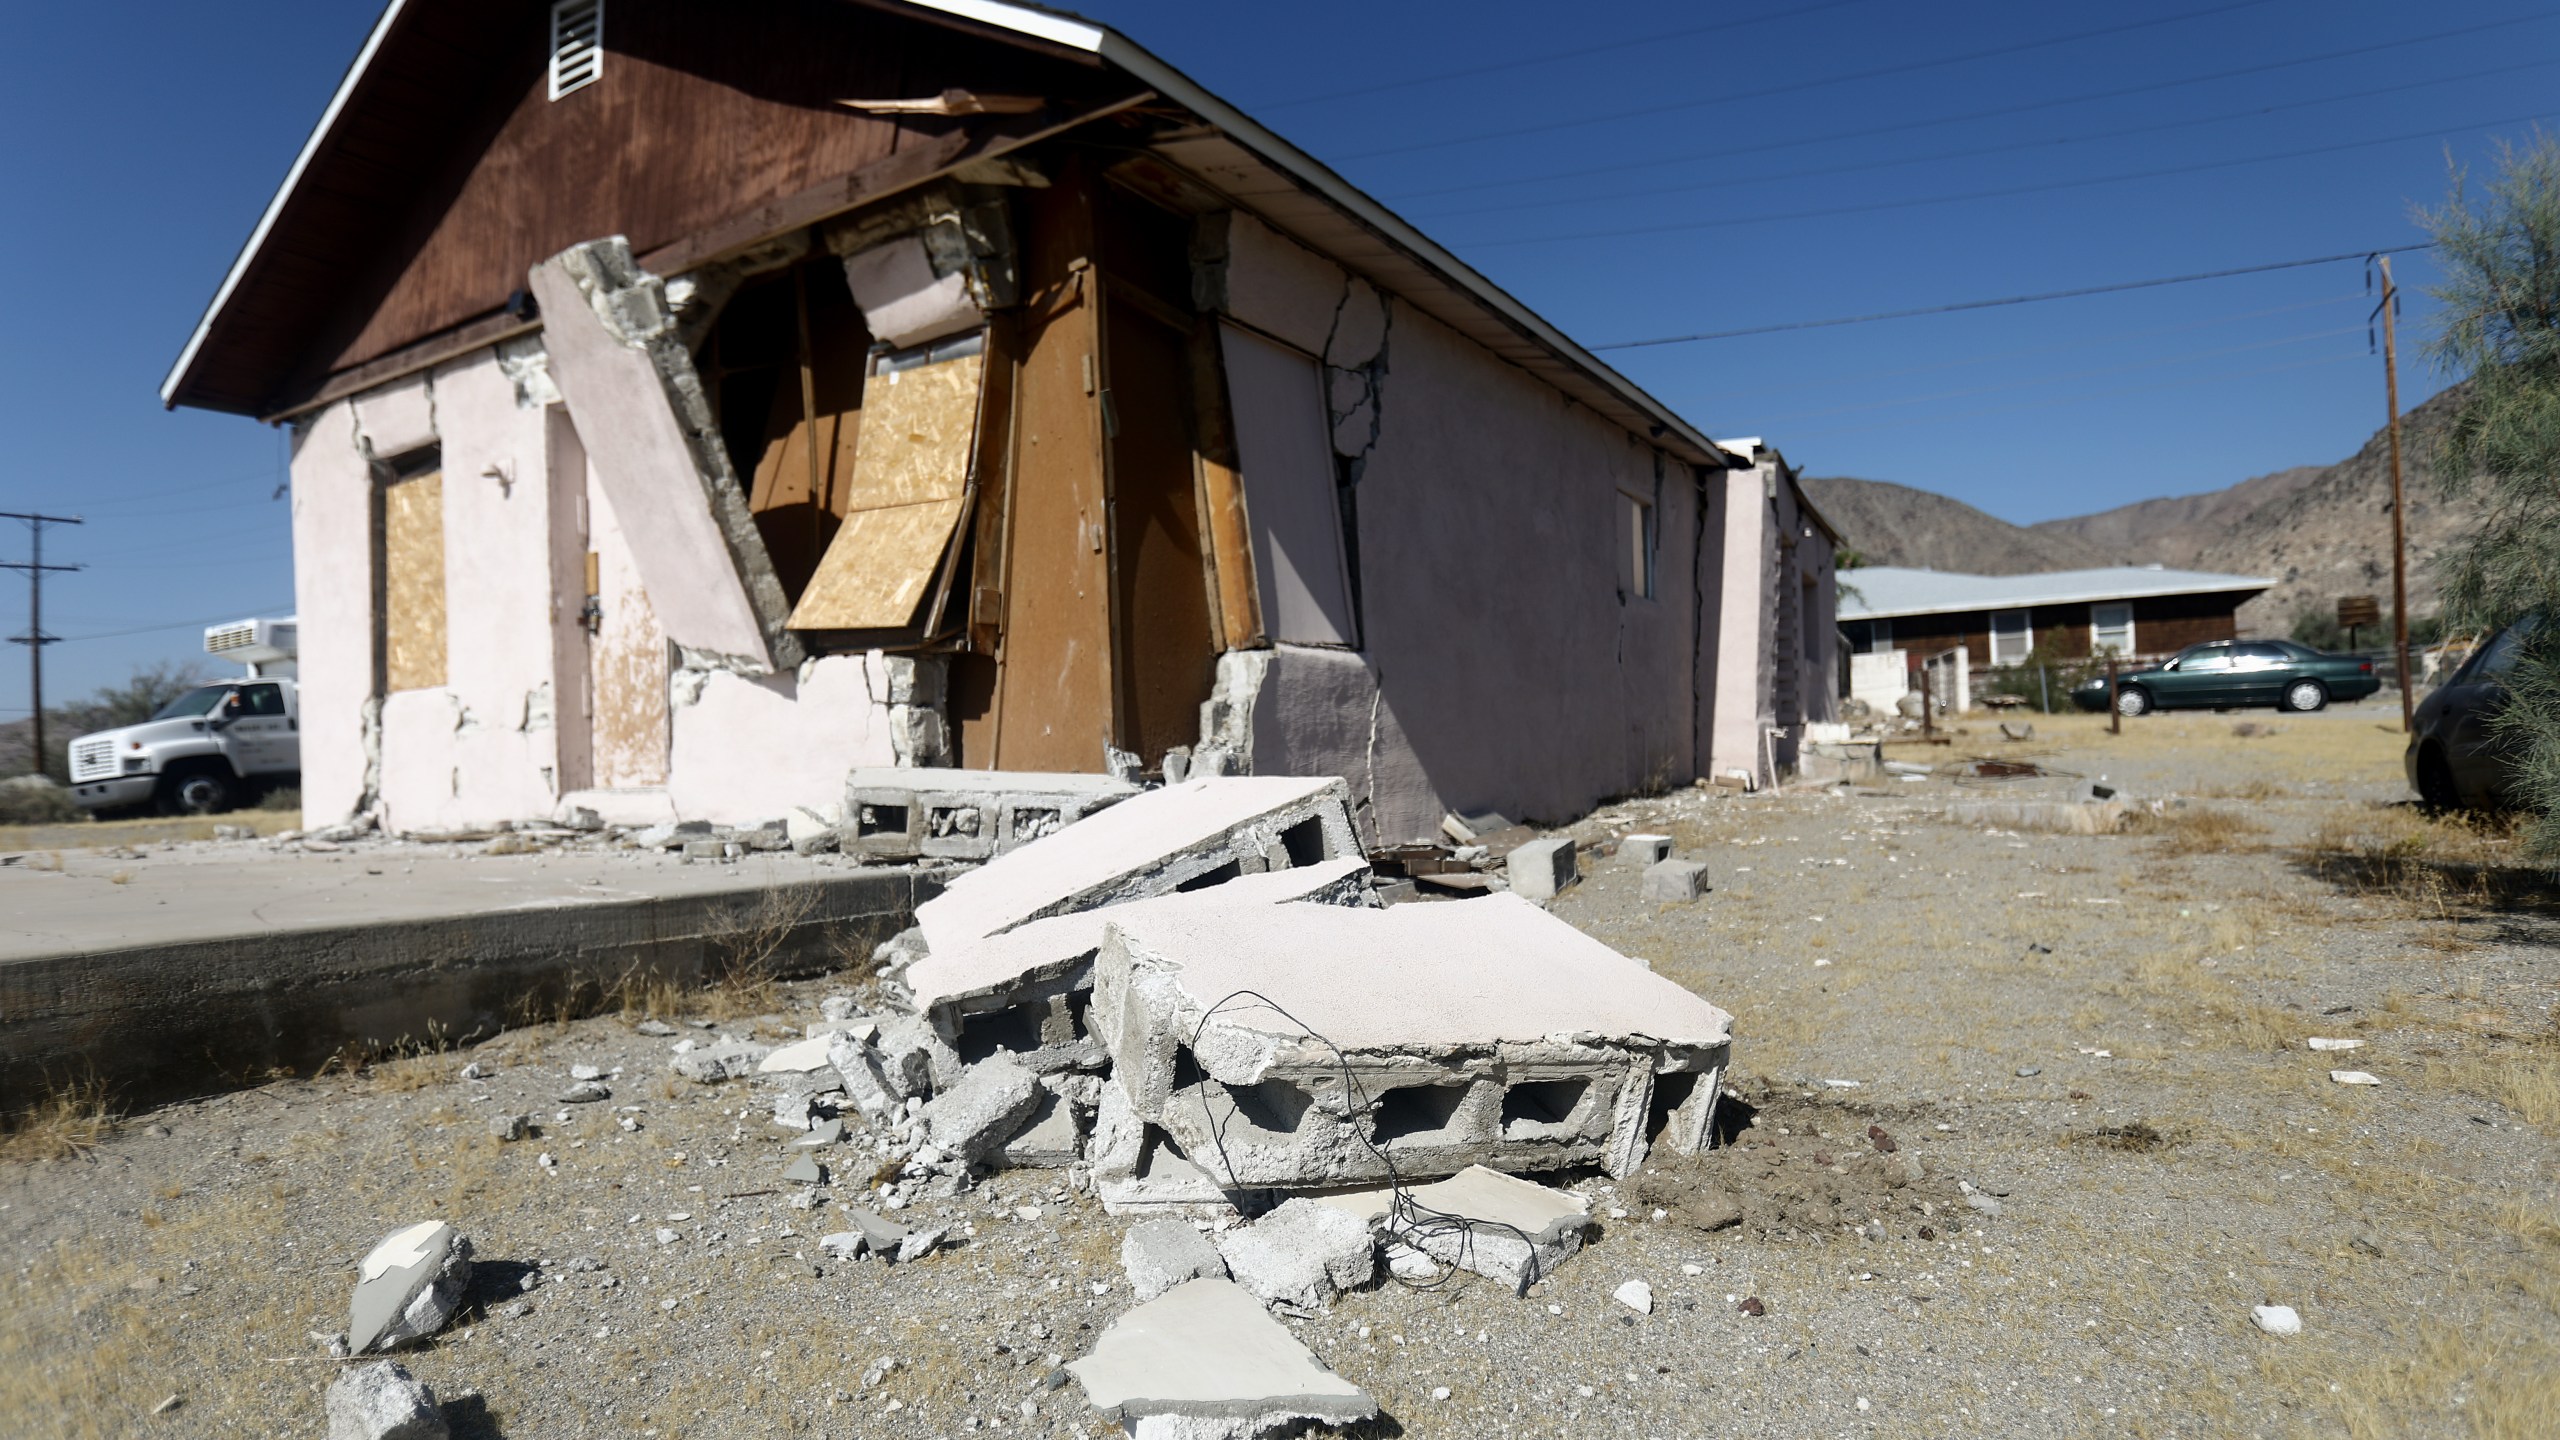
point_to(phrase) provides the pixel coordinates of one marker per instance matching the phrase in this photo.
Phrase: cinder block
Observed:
(1675, 881)
(1484, 1033)
(904, 813)
(1643, 850)
(1541, 869)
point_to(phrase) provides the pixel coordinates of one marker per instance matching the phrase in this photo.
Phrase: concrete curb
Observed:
(163, 1022)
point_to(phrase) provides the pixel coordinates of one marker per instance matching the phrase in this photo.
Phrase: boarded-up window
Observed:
(910, 483)
(1286, 455)
(413, 633)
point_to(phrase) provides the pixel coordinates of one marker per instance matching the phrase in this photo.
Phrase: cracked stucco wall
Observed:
(1508, 669)
(333, 590)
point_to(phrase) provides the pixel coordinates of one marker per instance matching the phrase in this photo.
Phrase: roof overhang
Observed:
(1236, 156)
(2218, 585)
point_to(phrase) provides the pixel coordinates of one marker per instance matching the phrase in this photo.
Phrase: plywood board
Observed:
(1287, 458)
(919, 427)
(413, 582)
(876, 572)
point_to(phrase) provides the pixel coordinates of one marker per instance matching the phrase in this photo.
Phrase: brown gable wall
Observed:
(2162, 625)
(702, 112)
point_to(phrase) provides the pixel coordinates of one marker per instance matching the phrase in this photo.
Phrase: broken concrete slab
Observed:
(1160, 1254)
(973, 1119)
(805, 1171)
(1161, 1181)
(882, 1235)
(1675, 882)
(1049, 1139)
(914, 1058)
(1207, 1354)
(1483, 1033)
(904, 814)
(1019, 991)
(798, 1057)
(408, 1286)
(1303, 1254)
(2052, 817)
(719, 1061)
(1183, 837)
(383, 1401)
(1542, 869)
(1499, 1226)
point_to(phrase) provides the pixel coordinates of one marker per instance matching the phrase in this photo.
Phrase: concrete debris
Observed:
(1183, 837)
(1205, 1354)
(894, 955)
(586, 1072)
(586, 1092)
(1487, 1032)
(1675, 882)
(2052, 817)
(825, 1132)
(799, 1057)
(510, 1127)
(844, 1244)
(1049, 1139)
(1542, 869)
(2354, 1077)
(918, 1245)
(1160, 1254)
(1499, 1226)
(1635, 1295)
(382, 1401)
(805, 1171)
(858, 1069)
(1302, 1254)
(839, 1007)
(1022, 991)
(2318, 1042)
(479, 1070)
(724, 1060)
(1160, 1180)
(883, 1236)
(914, 1059)
(972, 1119)
(2277, 1319)
(656, 1029)
(905, 814)
(408, 1286)
(1641, 851)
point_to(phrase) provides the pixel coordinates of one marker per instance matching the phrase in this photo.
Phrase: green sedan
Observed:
(2235, 675)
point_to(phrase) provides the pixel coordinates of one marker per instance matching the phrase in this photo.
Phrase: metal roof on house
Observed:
(1884, 591)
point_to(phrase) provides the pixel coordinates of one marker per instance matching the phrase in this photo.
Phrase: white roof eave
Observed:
(1851, 610)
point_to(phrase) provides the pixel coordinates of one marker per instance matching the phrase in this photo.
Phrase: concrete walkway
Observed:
(167, 971)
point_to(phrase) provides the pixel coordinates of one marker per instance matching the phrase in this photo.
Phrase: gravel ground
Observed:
(2092, 1044)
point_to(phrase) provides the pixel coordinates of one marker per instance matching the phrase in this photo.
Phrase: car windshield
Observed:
(195, 702)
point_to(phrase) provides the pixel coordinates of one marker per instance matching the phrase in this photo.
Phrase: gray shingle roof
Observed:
(1884, 591)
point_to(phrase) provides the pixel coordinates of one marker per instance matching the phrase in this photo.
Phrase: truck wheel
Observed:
(2436, 789)
(2131, 700)
(195, 792)
(2304, 696)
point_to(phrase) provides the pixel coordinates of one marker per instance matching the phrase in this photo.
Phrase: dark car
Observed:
(2236, 675)
(2453, 759)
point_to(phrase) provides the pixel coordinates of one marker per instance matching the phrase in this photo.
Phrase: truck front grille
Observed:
(92, 760)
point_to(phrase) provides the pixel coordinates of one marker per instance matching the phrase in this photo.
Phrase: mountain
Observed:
(1893, 524)
(2319, 531)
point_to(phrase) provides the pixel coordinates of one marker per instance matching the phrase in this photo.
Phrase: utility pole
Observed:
(35, 639)
(2389, 310)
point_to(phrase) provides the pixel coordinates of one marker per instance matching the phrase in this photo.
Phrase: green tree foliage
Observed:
(2500, 251)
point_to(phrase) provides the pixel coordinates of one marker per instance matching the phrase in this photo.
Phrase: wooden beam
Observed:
(409, 359)
(1234, 599)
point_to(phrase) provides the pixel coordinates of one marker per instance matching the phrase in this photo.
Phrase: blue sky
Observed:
(1631, 170)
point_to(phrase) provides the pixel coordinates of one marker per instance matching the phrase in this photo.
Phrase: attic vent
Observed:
(577, 49)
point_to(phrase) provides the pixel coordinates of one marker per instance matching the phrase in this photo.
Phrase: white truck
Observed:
(216, 746)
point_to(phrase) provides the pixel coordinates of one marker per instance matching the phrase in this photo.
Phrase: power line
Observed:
(1999, 112)
(2079, 399)
(2012, 147)
(1732, 97)
(2009, 191)
(172, 625)
(1552, 56)
(1961, 305)
(35, 639)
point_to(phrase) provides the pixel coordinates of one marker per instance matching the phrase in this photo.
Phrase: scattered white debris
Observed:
(1635, 1295)
(2322, 1042)
(2277, 1319)
(2354, 1077)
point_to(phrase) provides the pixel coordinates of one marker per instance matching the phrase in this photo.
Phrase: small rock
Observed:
(1883, 1142)
(1439, 1392)
(839, 1007)
(918, 1245)
(1160, 1254)
(667, 1236)
(585, 1072)
(382, 1401)
(2354, 1077)
(2323, 1042)
(1752, 1306)
(510, 1127)
(658, 1028)
(2277, 1319)
(1635, 1295)
(2029, 1072)
(586, 1092)
(479, 1070)
(1983, 1203)
(165, 1406)
(724, 1060)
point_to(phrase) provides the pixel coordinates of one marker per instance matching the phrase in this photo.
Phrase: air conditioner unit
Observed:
(258, 644)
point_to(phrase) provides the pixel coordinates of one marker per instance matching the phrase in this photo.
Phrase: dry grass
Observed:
(747, 947)
(68, 1122)
(2525, 1079)
(2199, 830)
(98, 834)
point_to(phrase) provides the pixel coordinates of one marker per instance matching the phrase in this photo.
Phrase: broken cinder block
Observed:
(973, 1119)
(1675, 882)
(1483, 1033)
(1303, 1254)
(1641, 851)
(408, 1286)
(901, 814)
(1500, 1226)
(1542, 869)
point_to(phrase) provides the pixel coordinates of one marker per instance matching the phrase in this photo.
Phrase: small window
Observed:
(2111, 629)
(2012, 638)
(1635, 546)
(577, 45)
(261, 700)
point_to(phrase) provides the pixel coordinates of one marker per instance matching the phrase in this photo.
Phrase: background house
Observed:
(1772, 646)
(748, 394)
(1999, 620)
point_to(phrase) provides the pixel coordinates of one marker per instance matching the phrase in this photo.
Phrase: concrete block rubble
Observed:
(1196, 1003)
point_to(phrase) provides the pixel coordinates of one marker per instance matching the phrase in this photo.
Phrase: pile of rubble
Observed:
(1194, 1002)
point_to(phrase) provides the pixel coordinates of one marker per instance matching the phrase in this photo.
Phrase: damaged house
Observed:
(692, 406)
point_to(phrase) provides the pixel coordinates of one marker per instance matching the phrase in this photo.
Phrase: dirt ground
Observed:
(2092, 1045)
